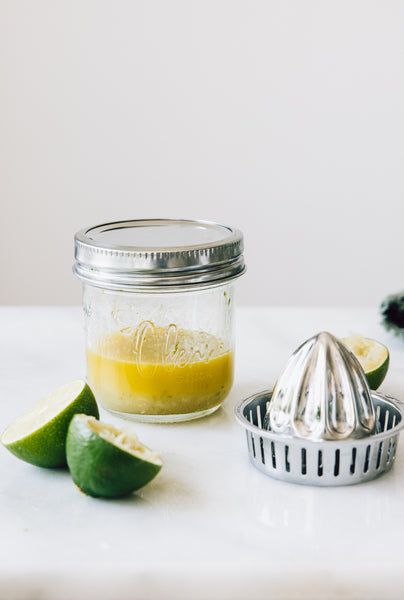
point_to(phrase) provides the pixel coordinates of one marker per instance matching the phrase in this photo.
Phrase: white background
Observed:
(283, 118)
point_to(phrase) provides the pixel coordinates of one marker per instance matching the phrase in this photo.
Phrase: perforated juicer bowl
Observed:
(321, 425)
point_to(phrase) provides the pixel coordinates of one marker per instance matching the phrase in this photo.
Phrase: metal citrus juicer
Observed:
(322, 425)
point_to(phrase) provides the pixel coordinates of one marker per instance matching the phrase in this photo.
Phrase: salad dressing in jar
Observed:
(158, 300)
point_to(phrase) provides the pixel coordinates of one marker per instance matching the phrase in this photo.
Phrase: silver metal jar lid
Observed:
(165, 253)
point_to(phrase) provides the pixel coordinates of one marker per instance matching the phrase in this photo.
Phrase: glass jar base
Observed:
(163, 418)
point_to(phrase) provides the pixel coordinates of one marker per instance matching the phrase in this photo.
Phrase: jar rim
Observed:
(158, 252)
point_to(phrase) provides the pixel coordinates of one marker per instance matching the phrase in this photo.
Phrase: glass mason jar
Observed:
(158, 300)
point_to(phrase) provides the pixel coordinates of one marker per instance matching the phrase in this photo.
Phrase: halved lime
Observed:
(373, 356)
(106, 461)
(38, 435)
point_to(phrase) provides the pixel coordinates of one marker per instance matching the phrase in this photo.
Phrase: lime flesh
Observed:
(106, 461)
(373, 356)
(38, 435)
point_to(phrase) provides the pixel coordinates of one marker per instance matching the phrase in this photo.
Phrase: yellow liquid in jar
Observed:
(160, 371)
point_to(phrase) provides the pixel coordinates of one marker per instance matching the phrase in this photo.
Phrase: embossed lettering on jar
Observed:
(159, 309)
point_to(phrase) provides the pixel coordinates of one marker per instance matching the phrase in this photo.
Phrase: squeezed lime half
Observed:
(107, 461)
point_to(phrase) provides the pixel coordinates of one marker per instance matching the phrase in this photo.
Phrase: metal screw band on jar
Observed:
(158, 252)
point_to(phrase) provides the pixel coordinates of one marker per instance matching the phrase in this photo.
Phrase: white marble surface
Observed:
(209, 526)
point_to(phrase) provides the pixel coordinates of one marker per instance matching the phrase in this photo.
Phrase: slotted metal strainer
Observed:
(322, 425)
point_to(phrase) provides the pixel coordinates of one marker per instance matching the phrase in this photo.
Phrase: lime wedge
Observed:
(106, 461)
(373, 356)
(38, 435)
